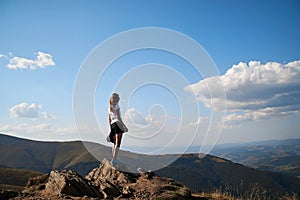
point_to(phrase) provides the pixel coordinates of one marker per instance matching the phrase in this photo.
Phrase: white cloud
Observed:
(141, 126)
(26, 128)
(254, 91)
(42, 60)
(199, 121)
(235, 119)
(46, 115)
(25, 110)
(132, 116)
(41, 131)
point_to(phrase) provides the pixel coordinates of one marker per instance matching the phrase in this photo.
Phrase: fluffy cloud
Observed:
(254, 91)
(42, 60)
(235, 119)
(132, 116)
(141, 126)
(25, 110)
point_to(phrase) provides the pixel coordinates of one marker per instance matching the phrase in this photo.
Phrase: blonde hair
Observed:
(114, 99)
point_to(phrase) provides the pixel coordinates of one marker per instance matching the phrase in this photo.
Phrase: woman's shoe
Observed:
(114, 161)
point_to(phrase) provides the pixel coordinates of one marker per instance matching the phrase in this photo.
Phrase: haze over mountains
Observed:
(200, 174)
(276, 155)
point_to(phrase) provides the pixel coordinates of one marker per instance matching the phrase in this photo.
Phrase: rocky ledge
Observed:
(104, 182)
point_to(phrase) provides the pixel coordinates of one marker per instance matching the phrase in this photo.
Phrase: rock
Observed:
(69, 183)
(112, 179)
(110, 190)
(35, 184)
(143, 173)
(106, 181)
(140, 170)
(116, 174)
(128, 191)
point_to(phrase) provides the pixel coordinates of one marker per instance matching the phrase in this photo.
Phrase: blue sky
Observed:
(36, 102)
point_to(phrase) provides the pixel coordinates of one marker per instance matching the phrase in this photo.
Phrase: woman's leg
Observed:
(113, 147)
(118, 139)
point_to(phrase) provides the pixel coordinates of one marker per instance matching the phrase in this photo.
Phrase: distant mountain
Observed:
(201, 175)
(276, 155)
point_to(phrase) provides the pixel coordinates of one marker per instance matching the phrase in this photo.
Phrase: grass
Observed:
(216, 195)
(253, 193)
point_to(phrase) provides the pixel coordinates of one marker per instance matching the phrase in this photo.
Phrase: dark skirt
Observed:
(114, 129)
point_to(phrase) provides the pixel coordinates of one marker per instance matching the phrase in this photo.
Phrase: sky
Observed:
(244, 85)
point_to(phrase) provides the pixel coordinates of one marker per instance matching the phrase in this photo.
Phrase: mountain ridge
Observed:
(200, 174)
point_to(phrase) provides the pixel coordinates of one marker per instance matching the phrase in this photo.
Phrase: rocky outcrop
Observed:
(104, 182)
(116, 174)
(69, 183)
(35, 184)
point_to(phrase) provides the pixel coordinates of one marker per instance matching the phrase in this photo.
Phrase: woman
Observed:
(117, 127)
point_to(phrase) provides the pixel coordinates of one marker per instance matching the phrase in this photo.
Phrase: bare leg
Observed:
(117, 145)
(119, 139)
(113, 147)
(113, 151)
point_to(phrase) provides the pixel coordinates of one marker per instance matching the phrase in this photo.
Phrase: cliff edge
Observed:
(108, 181)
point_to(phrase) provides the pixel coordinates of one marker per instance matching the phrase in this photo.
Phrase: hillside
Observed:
(207, 174)
(210, 172)
(45, 156)
(277, 155)
(17, 177)
(13, 181)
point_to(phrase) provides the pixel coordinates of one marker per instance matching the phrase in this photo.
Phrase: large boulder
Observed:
(111, 179)
(68, 182)
(114, 180)
(114, 173)
(35, 184)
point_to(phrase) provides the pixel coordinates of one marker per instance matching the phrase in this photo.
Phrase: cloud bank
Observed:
(42, 60)
(254, 91)
(132, 116)
(25, 110)
(26, 128)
